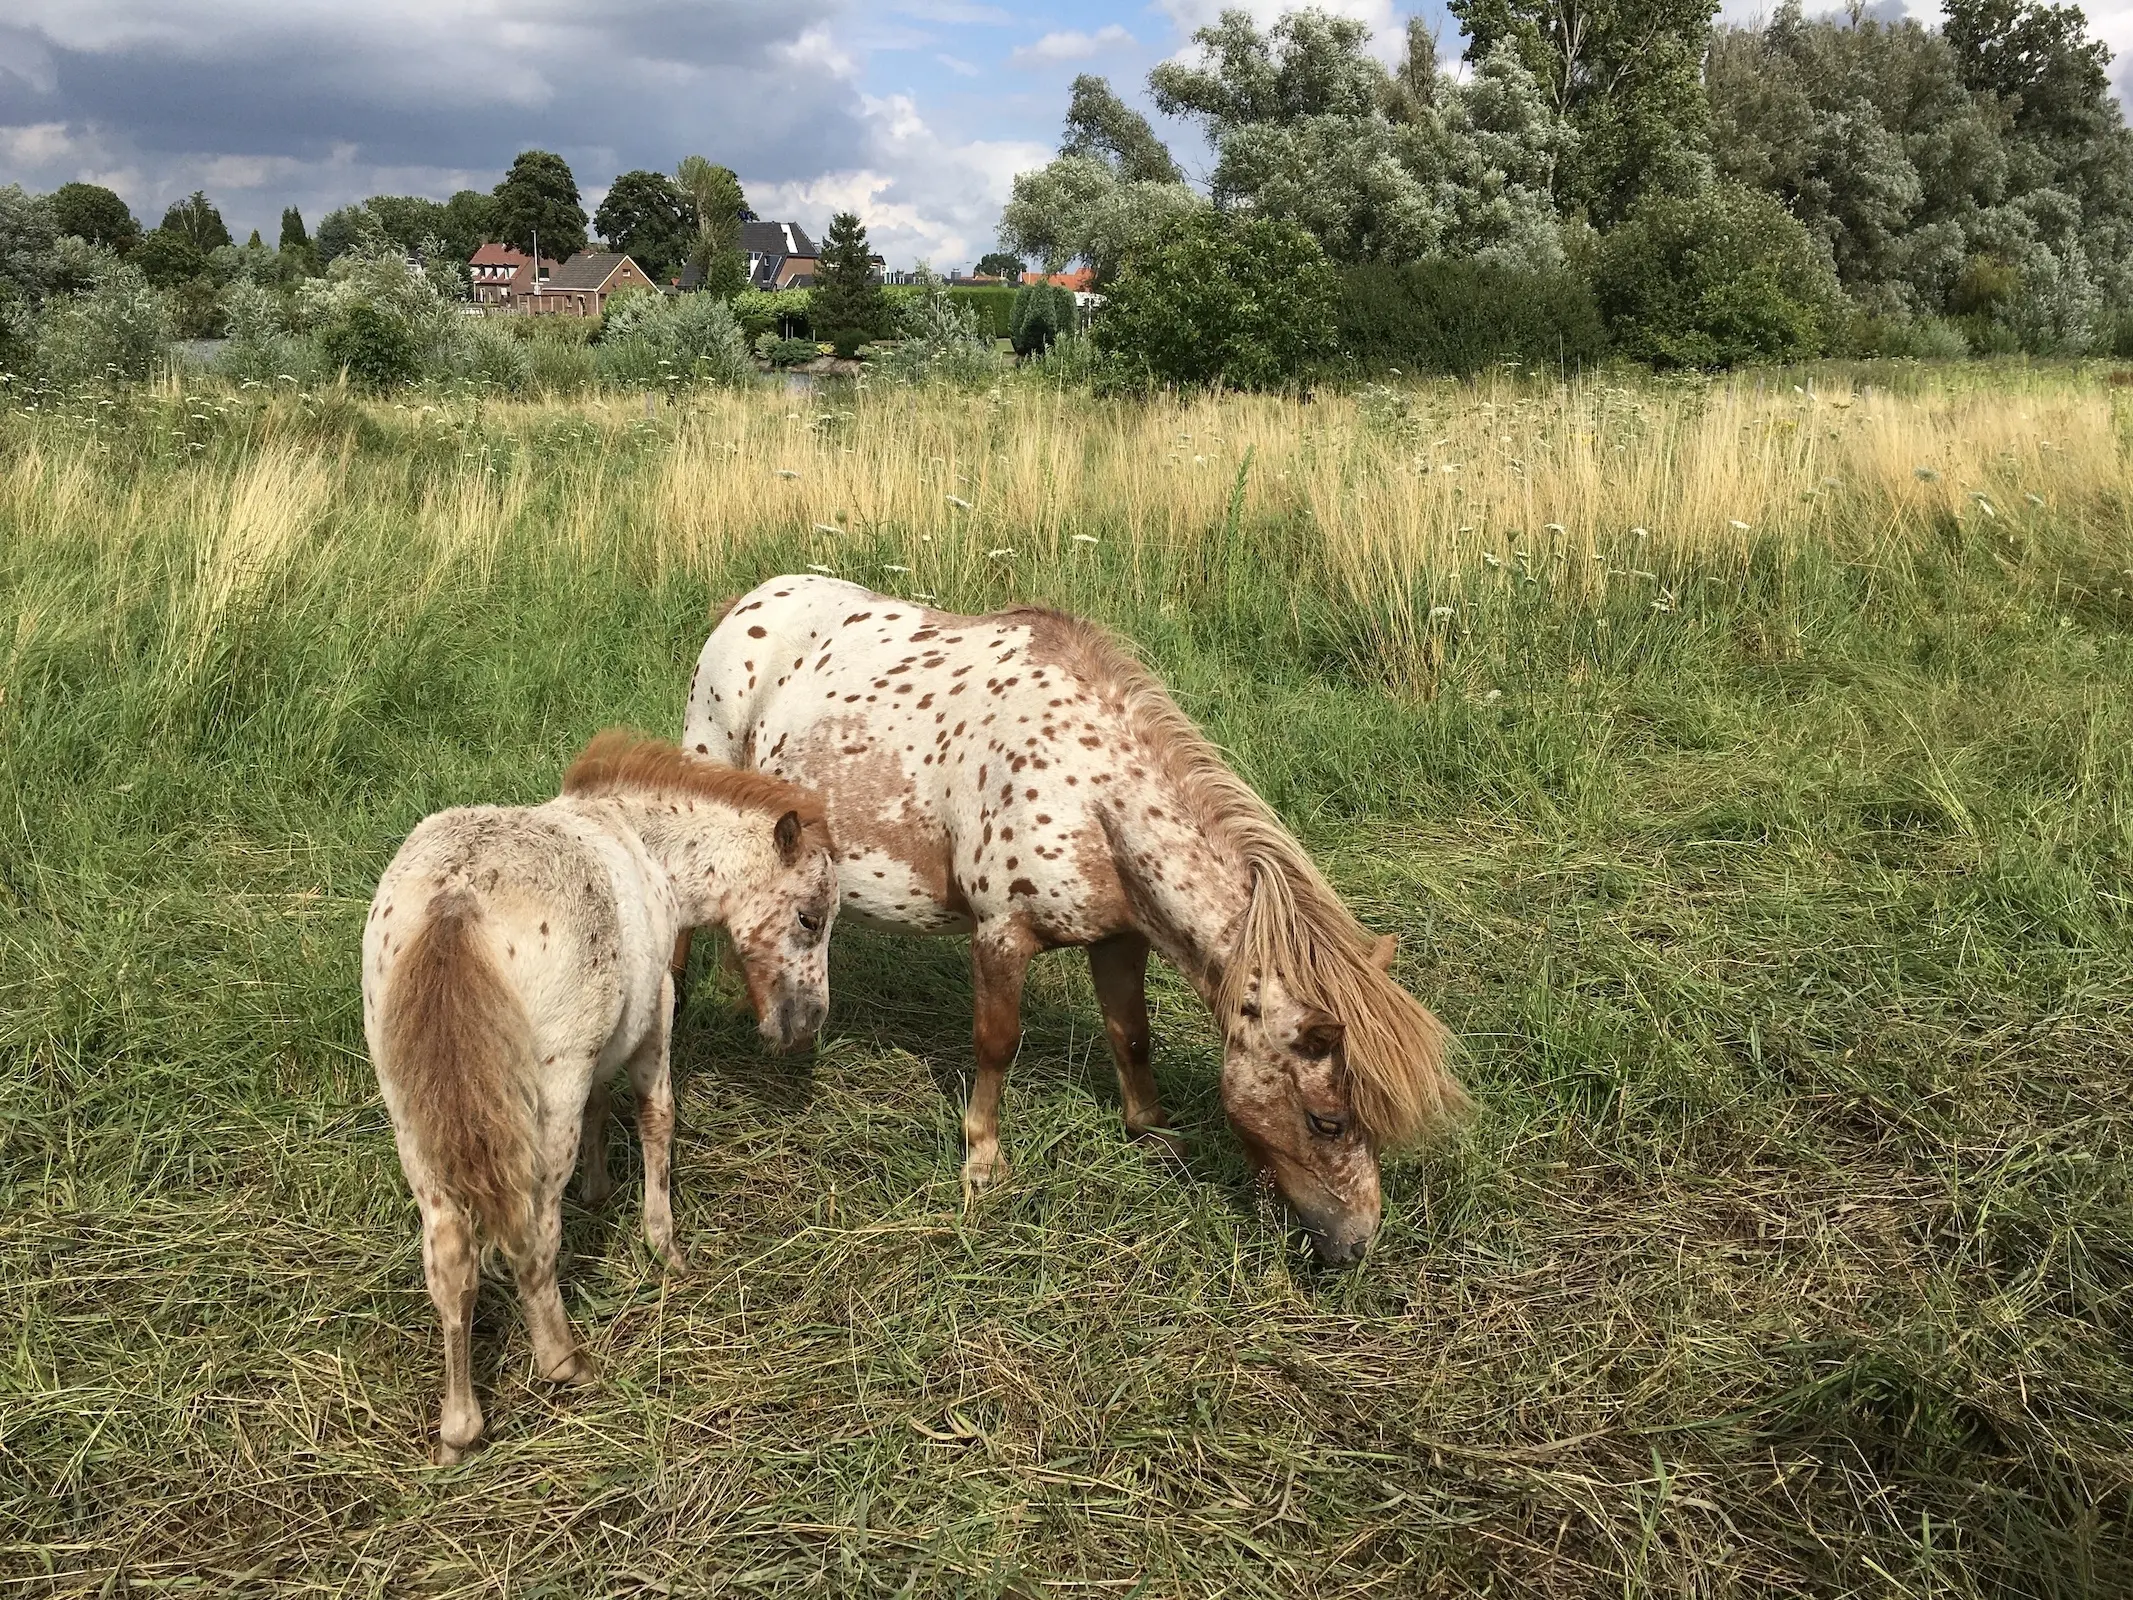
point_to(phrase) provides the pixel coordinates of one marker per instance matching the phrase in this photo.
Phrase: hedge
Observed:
(1457, 317)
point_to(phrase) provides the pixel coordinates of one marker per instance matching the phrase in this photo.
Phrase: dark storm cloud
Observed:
(309, 95)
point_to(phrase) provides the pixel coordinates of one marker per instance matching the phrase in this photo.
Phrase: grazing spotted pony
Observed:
(516, 959)
(1021, 778)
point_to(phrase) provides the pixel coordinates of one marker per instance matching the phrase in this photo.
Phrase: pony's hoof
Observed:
(575, 1368)
(1161, 1140)
(594, 1196)
(450, 1455)
(983, 1170)
(670, 1255)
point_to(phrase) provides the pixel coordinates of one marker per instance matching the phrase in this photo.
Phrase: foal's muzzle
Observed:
(793, 1024)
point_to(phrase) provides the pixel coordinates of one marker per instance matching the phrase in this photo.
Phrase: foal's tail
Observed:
(461, 1049)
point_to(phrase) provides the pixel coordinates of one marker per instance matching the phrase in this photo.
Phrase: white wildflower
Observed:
(1440, 613)
(1736, 524)
(999, 555)
(1086, 538)
(890, 566)
(787, 472)
(1492, 558)
(823, 527)
(2034, 499)
(1553, 527)
(1640, 533)
(958, 502)
(811, 567)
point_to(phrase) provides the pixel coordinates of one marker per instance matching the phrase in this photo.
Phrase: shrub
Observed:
(118, 330)
(942, 341)
(1458, 316)
(374, 347)
(1716, 278)
(653, 339)
(786, 352)
(489, 354)
(781, 313)
(992, 308)
(1247, 302)
(1924, 339)
(1042, 313)
(557, 366)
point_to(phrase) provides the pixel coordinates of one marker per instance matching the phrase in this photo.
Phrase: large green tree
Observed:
(651, 218)
(468, 222)
(92, 212)
(196, 220)
(720, 208)
(847, 307)
(1113, 183)
(1380, 166)
(539, 195)
(1625, 74)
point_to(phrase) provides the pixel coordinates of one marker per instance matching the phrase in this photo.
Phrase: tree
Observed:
(1379, 166)
(720, 208)
(1105, 190)
(1714, 279)
(27, 235)
(2038, 61)
(1000, 264)
(1626, 76)
(1242, 301)
(197, 221)
(1101, 125)
(847, 307)
(650, 218)
(92, 212)
(293, 235)
(538, 195)
(167, 258)
(343, 230)
(407, 221)
(469, 221)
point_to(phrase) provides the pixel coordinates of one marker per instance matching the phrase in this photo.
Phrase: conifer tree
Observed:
(847, 307)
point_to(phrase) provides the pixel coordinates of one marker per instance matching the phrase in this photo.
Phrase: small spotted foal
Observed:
(1021, 778)
(516, 959)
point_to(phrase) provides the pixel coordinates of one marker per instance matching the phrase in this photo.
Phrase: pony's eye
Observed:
(811, 922)
(1248, 1011)
(1326, 1127)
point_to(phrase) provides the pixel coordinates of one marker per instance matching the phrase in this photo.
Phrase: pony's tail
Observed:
(460, 1049)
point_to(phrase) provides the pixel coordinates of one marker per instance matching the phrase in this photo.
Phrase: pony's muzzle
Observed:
(792, 1027)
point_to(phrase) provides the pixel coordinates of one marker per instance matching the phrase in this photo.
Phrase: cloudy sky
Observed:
(915, 113)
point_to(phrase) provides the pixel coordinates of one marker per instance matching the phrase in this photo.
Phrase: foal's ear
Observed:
(1384, 950)
(787, 835)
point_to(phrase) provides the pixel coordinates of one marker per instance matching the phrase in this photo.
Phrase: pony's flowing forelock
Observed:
(1294, 924)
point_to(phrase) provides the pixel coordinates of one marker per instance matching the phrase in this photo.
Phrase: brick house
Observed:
(580, 287)
(494, 270)
(775, 255)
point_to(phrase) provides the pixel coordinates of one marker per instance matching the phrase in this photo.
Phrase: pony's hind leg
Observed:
(556, 1355)
(1119, 966)
(650, 1076)
(999, 960)
(452, 1270)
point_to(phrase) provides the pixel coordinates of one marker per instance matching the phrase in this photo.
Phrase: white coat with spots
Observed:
(1021, 778)
(516, 959)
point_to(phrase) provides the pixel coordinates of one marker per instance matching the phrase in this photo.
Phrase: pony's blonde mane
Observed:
(623, 761)
(1295, 925)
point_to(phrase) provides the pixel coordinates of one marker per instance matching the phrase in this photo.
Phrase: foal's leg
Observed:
(556, 1356)
(1119, 966)
(655, 1130)
(678, 966)
(999, 960)
(595, 1186)
(453, 1271)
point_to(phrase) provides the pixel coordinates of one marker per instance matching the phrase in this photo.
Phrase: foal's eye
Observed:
(1326, 1127)
(1248, 1011)
(811, 922)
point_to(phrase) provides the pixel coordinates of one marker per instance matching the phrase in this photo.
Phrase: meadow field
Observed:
(1746, 767)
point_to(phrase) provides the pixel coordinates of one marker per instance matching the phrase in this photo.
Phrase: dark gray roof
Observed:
(776, 239)
(588, 269)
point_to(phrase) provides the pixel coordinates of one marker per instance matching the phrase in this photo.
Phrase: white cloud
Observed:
(922, 196)
(960, 67)
(1071, 45)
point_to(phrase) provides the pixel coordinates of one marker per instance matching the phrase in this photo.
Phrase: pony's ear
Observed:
(1384, 950)
(1320, 1037)
(787, 835)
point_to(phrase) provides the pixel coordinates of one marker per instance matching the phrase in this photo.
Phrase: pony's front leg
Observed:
(595, 1185)
(650, 1076)
(999, 960)
(1119, 967)
(452, 1270)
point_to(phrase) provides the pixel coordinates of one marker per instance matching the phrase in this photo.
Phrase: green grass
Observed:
(1786, 934)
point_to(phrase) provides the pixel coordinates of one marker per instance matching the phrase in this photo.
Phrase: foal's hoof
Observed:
(575, 1368)
(450, 1455)
(592, 1196)
(1163, 1141)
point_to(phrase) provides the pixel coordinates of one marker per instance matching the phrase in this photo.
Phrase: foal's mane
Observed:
(623, 761)
(1295, 925)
